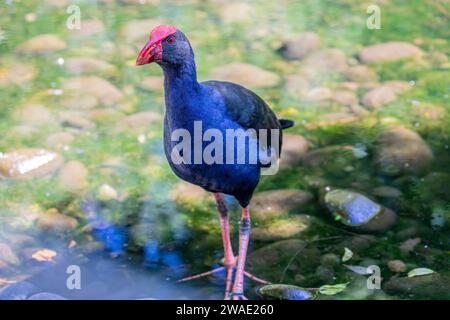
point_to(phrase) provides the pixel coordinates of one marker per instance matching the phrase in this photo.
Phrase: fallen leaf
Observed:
(332, 289)
(348, 254)
(44, 255)
(419, 272)
(364, 271)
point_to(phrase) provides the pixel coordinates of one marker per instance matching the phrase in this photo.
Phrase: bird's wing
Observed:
(244, 106)
(247, 109)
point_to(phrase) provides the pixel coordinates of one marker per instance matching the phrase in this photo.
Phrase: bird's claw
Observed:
(238, 296)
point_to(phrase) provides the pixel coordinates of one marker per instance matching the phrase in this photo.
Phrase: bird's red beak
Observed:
(153, 50)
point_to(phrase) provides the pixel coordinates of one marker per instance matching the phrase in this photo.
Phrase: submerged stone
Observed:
(276, 203)
(433, 286)
(284, 292)
(356, 210)
(46, 296)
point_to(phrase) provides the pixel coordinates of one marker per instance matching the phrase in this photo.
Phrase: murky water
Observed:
(364, 175)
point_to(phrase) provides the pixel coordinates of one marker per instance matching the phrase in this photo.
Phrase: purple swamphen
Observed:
(220, 106)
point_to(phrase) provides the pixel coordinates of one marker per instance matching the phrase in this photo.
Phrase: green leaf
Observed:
(348, 254)
(332, 289)
(419, 272)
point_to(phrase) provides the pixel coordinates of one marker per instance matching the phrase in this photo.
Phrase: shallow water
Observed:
(82, 170)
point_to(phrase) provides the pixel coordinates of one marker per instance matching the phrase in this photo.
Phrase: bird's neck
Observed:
(180, 83)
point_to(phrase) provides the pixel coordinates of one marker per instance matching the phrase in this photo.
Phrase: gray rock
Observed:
(300, 46)
(275, 203)
(389, 51)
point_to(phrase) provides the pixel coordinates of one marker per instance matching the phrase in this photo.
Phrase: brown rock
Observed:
(389, 51)
(52, 220)
(103, 90)
(41, 44)
(397, 266)
(294, 147)
(379, 97)
(73, 177)
(246, 74)
(400, 151)
(300, 46)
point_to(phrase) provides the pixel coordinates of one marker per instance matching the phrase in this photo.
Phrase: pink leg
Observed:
(244, 235)
(229, 261)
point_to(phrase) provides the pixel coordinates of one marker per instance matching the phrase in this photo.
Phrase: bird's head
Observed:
(167, 46)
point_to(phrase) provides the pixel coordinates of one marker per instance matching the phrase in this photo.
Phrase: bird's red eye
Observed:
(170, 40)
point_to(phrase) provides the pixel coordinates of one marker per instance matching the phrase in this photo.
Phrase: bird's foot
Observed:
(238, 296)
(202, 275)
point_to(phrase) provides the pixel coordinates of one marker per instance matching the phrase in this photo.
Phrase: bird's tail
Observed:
(286, 123)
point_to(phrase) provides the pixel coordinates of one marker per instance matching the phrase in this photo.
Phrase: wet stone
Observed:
(400, 150)
(434, 286)
(284, 292)
(283, 228)
(54, 221)
(269, 204)
(356, 210)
